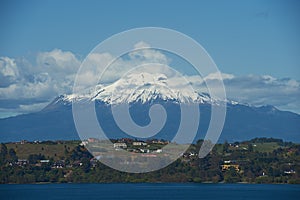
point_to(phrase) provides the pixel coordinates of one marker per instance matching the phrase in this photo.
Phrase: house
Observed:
(145, 150)
(126, 140)
(24, 141)
(139, 144)
(289, 172)
(119, 145)
(77, 163)
(228, 166)
(189, 154)
(44, 161)
(158, 150)
(84, 143)
(22, 162)
(93, 162)
(59, 164)
(155, 141)
(192, 154)
(92, 140)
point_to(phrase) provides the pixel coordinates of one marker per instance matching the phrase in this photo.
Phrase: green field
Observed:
(59, 150)
(56, 151)
(265, 147)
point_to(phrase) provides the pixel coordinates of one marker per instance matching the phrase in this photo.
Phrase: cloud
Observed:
(259, 90)
(53, 73)
(58, 62)
(97, 63)
(27, 87)
(17, 109)
(9, 72)
(143, 52)
(217, 76)
(22, 82)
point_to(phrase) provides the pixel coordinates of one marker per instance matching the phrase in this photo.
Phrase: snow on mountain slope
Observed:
(143, 87)
(243, 121)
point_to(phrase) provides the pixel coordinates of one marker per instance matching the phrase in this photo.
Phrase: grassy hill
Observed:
(49, 149)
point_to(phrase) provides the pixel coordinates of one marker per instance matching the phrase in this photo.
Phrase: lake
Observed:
(150, 191)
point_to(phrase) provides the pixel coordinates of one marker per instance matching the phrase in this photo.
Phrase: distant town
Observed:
(131, 145)
(261, 160)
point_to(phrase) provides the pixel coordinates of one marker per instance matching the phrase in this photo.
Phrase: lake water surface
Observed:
(150, 191)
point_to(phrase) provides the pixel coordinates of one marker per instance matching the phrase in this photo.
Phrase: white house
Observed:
(120, 145)
(158, 150)
(139, 144)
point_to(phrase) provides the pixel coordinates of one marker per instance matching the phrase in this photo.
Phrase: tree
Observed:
(232, 176)
(86, 165)
(250, 147)
(33, 158)
(3, 154)
(225, 147)
(12, 155)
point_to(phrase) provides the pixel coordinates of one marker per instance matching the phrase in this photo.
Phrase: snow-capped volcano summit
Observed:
(142, 90)
(143, 87)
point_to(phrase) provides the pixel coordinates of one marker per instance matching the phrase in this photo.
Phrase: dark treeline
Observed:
(261, 160)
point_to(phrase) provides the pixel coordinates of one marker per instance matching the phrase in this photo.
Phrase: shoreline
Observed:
(133, 183)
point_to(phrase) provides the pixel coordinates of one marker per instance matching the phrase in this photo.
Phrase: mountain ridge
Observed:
(242, 122)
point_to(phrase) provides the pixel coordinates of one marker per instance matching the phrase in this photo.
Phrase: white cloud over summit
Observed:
(148, 54)
(28, 87)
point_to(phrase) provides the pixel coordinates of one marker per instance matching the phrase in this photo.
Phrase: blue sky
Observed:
(259, 37)
(245, 38)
